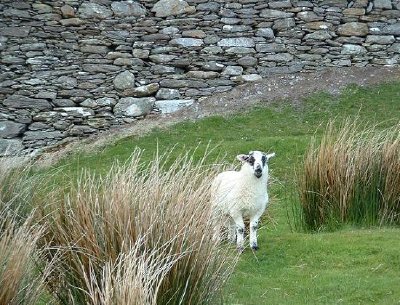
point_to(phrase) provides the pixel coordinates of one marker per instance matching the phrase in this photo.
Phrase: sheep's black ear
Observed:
(242, 157)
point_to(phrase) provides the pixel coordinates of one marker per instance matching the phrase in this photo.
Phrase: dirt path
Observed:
(291, 87)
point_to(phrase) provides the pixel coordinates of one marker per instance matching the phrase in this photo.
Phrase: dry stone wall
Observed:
(73, 68)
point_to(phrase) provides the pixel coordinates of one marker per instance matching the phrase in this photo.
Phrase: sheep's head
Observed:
(256, 161)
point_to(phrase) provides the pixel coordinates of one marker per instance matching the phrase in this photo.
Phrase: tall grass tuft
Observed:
(20, 280)
(139, 235)
(351, 176)
(16, 186)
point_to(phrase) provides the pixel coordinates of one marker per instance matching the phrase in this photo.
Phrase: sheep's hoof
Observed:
(254, 247)
(240, 249)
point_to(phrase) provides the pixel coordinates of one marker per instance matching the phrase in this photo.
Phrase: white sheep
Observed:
(243, 193)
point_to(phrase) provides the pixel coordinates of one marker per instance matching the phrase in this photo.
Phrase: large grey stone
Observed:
(50, 95)
(267, 71)
(11, 59)
(233, 71)
(20, 31)
(39, 46)
(237, 42)
(67, 11)
(164, 8)
(280, 4)
(213, 66)
(247, 61)
(94, 49)
(124, 80)
(352, 49)
(128, 8)
(187, 42)
(392, 29)
(274, 14)
(383, 4)
(309, 16)
(170, 106)
(77, 111)
(231, 20)
(194, 34)
(202, 74)
(168, 94)
(106, 102)
(395, 47)
(24, 102)
(10, 147)
(240, 50)
(284, 24)
(212, 50)
(101, 102)
(42, 8)
(209, 6)
(319, 35)
(380, 39)
(63, 103)
(161, 58)
(141, 91)
(134, 107)
(140, 53)
(280, 57)
(10, 129)
(72, 22)
(32, 136)
(353, 29)
(266, 33)
(94, 10)
(236, 28)
(247, 78)
(161, 69)
(43, 60)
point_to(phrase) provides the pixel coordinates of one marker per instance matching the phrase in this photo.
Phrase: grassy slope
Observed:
(351, 266)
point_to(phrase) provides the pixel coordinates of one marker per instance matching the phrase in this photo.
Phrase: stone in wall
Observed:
(10, 147)
(353, 29)
(141, 91)
(164, 8)
(128, 8)
(10, 129)
(170, 106)
(20, 102)
(134, 107)
(124, 80)
(93, 10)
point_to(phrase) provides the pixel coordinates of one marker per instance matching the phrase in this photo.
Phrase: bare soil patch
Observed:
(292, 88)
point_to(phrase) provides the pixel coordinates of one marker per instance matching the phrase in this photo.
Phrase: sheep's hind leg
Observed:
(239, 232)
(253, 232)
(232, 231)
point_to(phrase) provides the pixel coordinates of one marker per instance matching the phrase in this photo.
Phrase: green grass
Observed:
(349, 266)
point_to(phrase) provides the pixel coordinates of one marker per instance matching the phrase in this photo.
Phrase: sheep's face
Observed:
(256, 161)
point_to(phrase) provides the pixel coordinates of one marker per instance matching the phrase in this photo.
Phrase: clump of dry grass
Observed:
(20, 280)
(16, 185)
(139, 235)
(352, 175)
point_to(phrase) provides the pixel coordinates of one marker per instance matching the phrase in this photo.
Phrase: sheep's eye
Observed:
(251, 160)
(264, 159)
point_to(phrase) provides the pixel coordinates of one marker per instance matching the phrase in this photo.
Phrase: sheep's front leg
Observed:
(253, 232)
(239, 232)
